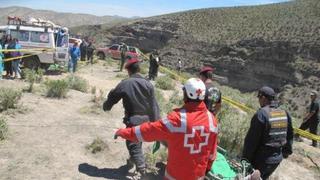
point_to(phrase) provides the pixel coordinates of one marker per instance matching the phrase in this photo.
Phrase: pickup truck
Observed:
(114, 52)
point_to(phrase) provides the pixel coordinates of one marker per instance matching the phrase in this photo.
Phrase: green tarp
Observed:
(221, 167)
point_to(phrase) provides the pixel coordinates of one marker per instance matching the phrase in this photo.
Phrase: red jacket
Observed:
(191, 134)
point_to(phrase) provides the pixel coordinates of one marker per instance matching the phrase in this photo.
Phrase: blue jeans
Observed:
(73, 64)
(16, 68)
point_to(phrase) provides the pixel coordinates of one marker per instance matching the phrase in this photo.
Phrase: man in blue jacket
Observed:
(74, 53)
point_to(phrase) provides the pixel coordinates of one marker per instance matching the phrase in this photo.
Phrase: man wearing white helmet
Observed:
(190, 132)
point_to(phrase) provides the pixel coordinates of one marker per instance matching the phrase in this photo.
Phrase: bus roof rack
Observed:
(36, 22)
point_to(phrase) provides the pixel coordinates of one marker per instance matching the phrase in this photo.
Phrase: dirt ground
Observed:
(48, 140)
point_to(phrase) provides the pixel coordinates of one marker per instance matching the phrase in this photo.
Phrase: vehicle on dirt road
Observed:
(115, 53)
(39, 34)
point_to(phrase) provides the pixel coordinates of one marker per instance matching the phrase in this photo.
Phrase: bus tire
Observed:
(31, 62)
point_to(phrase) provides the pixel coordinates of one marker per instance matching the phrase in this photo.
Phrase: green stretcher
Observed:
(221, 169)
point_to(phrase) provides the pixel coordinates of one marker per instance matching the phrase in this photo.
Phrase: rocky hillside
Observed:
(65, 19)
(276, 45)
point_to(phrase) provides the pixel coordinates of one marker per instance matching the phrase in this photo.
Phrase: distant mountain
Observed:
(65, 19)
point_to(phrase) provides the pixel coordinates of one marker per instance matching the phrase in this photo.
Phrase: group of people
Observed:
(82, 51)
(9, 60)
(87, 50)
(190, 132)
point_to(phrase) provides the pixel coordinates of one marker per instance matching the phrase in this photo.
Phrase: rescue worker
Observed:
(123, 51)
(90, 51)
(154, 61)
(213, 94)
(190, 132)
(140, 106)
(269, 138)
(311, 119)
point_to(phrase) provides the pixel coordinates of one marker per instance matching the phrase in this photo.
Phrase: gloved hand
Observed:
(118, 133)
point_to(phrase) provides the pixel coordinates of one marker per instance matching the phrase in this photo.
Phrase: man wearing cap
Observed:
(190, 132)
(213, 94)
(269, 138)
(311, 120)
(140, 106)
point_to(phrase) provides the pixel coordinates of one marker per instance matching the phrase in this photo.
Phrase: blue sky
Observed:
(129, 8)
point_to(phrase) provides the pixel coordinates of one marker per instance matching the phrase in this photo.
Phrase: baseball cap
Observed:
(206, 69)
(266, 91)
(131, 62)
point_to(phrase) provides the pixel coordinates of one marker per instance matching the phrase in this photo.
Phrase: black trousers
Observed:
(90, 58)
(311, 124)
(136, 154)
(123, 59)
(266, 169)
(135, 148)
(8, 66)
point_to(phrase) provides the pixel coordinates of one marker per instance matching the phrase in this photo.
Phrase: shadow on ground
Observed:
(117, 173)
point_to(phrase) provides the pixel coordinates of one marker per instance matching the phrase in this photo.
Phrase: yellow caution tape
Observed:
(34, 51)
(306, 134)
(19, 57)
(27, 50)
(244, 107)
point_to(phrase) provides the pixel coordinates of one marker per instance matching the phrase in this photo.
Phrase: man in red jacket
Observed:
(190, 132)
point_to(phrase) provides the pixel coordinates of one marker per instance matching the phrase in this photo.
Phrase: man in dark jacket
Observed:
(270, 135)
(153, 65)
(83, 50)
(311, 119)
(140, 105)
(90, 51)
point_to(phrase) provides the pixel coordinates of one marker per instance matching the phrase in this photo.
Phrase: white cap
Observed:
(195, 88)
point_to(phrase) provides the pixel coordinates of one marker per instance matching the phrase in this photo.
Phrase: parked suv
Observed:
(114, 52)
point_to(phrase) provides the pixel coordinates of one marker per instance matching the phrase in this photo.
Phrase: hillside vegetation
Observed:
(291, 21)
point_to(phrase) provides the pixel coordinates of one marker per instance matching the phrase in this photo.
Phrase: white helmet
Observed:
(195, 88)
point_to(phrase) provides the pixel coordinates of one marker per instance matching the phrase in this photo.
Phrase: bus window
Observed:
(39, 37)
(20, 35)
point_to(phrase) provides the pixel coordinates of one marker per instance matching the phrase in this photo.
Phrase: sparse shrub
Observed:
(175, 99)
(122, 76)
(93, 90)
(33, 76)
(96, 146)
(152, 159)
(56, 88)
(3, 128)
(144, 68)
(9, 98)
(97, 99)
(165, 83)
(77, 83)
(233, 127)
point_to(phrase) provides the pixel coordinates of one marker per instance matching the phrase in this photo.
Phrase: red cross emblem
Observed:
(192, 141)
(199, 91)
